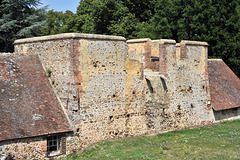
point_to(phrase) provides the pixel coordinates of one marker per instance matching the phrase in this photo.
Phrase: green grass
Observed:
(220, 142)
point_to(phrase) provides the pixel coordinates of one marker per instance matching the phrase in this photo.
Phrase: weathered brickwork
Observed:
(112, 89)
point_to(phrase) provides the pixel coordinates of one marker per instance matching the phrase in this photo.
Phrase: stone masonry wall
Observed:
(30, 148)
(178, 94)
(111, 90)
(34, 148)
(100, 88)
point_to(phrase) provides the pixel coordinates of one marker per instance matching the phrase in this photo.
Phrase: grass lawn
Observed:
(220, 142)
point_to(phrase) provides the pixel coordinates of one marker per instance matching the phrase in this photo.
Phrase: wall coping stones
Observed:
(155, 41)
(6, 54)
(170, 41)
(214, 59)
(195, 43)
(70, 36)
(147, 74)
(167, 41)
(139, 40)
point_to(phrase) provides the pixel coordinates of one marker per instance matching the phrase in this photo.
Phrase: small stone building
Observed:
(224, 89)
(32, 124)
(63, 93)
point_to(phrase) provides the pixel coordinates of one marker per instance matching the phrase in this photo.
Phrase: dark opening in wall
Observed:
(189, 89)
(153, 59)
(114, 95)
(53, 145)
(133, 92)
(149, 86)
(179, 107)
(116, 133)
(75, 110)
(78, 130)
(110, 117)
(95, 64)
(164, 85)
(192, 106)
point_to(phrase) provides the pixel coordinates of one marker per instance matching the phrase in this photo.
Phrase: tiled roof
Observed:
(224, 85)
(28, 105)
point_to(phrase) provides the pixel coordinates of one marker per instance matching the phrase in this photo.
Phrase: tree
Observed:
(56, 22)
(19, 19)
(97, 16)
(111, 17)
(161, 23)
(225, 33)
(143, 10)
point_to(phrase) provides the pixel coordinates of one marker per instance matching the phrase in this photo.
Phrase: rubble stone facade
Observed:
(111, 88)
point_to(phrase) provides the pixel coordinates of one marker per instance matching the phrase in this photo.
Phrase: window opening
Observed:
(149, 86)
(53, 144)
(164, 85)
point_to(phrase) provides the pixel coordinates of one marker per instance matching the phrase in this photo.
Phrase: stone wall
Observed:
(178, 94)
(34, 147)
(100, 88)
(29, 148)
(110, 89)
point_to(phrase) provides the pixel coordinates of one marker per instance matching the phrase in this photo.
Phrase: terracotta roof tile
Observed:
(224, 85)
(28, 105)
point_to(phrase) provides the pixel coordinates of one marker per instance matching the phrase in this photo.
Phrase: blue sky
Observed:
(61, 5)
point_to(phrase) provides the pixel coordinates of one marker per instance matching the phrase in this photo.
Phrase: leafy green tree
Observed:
(83, 20)
(97, 16)
(127, 27)
(19, 19)
(225, 33)
(143, 10)
(110, 17)
(56, 22)
(161, 24)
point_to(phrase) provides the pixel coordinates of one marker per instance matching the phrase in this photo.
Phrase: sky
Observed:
(61, 5)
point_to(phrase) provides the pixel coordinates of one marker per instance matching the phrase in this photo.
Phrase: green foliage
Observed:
(111, 17)
(49, 72)
(143, 10)
(56, 22)
(225, 33)
(19, 19)
(219, 141)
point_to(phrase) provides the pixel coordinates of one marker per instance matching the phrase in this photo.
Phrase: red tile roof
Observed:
(28, 105)
(224, 85)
